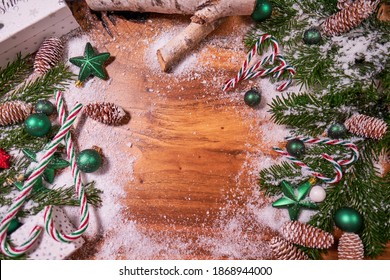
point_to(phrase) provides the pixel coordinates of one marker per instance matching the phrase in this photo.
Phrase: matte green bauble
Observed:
(37, 124)
(263, 10)
(89, 160)
(252, 98)
(44, 107)
(337, 131)
(296, 148)
(348, 219)
(312, 36)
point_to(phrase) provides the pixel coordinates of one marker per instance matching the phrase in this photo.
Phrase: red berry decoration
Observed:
(4, 159)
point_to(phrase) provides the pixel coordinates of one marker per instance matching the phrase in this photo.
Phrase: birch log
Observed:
(203, 11)
(207, 15)
(182, 43)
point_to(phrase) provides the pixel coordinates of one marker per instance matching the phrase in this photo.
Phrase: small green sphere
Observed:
(296, 148)
(252, 98)
(44, 107)
(13, 225)
(312, 36)
(89, 160)
(37, 124)
(262, 11)
(337, 131)
(348, 219)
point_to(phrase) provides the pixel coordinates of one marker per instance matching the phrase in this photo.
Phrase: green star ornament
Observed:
(90, 64)
(293, 198)
(48, 175)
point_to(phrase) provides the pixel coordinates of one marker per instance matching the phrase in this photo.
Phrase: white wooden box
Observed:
(25, 24)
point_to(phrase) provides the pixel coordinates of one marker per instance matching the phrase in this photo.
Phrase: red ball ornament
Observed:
(4, 159)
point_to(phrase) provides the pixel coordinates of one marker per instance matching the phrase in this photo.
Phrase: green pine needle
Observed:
(14, 73)
(55, 79)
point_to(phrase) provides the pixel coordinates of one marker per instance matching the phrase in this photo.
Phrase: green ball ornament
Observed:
(312, 36)
(337, 131)
(296, 148)
(37, 124)
(44, 107)
(348, 219)
(89, 160)
(262, 11)
(252, 98)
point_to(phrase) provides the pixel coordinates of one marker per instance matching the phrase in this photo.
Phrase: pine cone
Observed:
(107, 113)
(306, 235)
(342, 4)
(284, 250)
(349, 17)
(48, 55)
(384, 12)
(350, 247)
(366, 126)
(14, 112)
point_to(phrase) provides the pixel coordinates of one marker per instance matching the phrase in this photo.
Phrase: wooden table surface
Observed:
(191, 145)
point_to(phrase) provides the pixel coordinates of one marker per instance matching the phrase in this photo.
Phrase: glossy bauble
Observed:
(348, 219)
(263, 10)
(37, 124)
(252, 98)
(89, 160)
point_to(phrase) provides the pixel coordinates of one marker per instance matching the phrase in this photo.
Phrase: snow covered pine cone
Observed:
(306, 235)
(350, 247)
(14, 112)
(352, 14)
(366, 126)
(48, 55)
(284, 250)
(107, 113)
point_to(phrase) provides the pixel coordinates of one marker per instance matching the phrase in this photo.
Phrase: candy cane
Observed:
(84, 214)
(336, 164)
(28, 185)
(244, 73)
(328, 141)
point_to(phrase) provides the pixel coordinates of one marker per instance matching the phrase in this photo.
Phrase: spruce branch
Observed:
(14, 73)
(56, 78)
(64, 196)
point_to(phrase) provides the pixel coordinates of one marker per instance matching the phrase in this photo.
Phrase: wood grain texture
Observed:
(191, 142)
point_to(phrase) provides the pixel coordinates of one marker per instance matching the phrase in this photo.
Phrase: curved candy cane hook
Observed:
(79, 188)
(50, 149)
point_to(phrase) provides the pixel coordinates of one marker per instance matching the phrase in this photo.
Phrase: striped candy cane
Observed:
(327, 141)
(28, 185)
(255, 71)
(336, 164)
(84, 214)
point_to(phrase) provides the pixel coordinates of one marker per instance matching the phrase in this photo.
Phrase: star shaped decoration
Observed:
(90, 64)
(293, 199)
(48, 175)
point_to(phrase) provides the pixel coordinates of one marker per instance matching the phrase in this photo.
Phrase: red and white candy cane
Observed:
(327, 141)
(336, 164)
(28, 185)
(79, 187)
(254, 71)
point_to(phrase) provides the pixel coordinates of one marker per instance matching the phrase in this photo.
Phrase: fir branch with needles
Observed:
(14, 138)
(64, 196)
(15, 73)
(43, 87)
(318, 65)
(361, 187)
